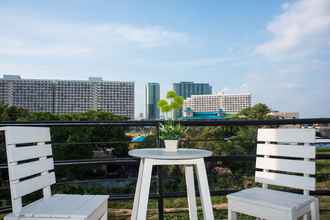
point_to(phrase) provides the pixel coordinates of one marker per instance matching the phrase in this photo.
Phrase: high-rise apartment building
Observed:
(187, 89)
(229, 103)
(68, 96)
(152, 98)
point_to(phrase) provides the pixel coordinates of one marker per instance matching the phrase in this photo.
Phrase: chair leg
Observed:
(315, 211)
(232, 215)
(189, 173)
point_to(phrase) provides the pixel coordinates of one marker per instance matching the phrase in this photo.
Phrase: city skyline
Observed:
(202, 87)
(280, 54)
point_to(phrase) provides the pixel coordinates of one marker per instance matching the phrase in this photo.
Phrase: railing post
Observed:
(159, 181)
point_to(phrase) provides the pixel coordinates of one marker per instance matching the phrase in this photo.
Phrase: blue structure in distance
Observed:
(190, 114)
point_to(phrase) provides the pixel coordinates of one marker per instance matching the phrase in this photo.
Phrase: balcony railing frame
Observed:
(160, 195)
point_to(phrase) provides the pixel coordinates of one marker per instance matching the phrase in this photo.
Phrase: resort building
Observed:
(68, 96)
(227, 103)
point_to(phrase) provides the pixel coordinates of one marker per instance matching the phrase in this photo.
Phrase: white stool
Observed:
(187, 157)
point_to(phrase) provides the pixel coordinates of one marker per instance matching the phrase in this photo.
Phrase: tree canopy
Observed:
(76, 141)
(258, 112)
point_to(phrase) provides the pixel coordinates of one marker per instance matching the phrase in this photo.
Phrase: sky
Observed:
(277, 50)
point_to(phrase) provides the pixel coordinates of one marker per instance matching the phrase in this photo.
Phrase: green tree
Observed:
(258, 112)
(74, 142)
(11, 113)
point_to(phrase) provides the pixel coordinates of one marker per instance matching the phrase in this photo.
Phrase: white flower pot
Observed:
(171, 145)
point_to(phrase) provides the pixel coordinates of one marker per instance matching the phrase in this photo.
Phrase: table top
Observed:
(160, 153)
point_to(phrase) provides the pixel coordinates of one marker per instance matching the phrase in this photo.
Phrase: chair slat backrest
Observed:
(30, 162)
(286, 157)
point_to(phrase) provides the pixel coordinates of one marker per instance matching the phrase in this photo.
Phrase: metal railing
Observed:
(160, 195)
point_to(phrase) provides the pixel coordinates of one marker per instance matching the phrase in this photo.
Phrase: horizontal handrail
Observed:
(132, 161)
(219, 122)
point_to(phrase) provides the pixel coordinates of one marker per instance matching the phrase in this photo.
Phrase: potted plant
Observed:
(170, 131)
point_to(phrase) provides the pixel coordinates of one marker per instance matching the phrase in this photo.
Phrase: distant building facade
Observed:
(68, 96)
(228, 103)
(187, 89)
(284, 115)
(152, 92)
(234, 103)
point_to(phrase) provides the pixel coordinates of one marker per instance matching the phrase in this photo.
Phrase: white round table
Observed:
(190, 158)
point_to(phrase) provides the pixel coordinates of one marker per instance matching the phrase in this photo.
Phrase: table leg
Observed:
(204, 190)
(137, 191)
(144, 190)
(189, 173)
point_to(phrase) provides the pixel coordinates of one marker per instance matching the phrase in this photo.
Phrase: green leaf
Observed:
(162, 103)
(175, 105)
(165, 108)
(179, 100)
(171, 94)
(171, 131)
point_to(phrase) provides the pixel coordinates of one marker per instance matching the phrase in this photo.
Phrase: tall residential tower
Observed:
(187, 89)
(152, 98)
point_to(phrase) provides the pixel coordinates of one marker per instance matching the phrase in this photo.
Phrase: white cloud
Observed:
(152, 36)
(28, 36)
(302, 27)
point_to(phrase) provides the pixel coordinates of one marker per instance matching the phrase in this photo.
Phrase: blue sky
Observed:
(277, 50)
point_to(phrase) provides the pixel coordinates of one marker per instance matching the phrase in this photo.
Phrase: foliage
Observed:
(11, 113)
(170, 104)
(257, 112)
(73, 142)
(171, 131)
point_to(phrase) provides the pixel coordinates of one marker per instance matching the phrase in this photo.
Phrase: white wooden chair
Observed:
(284, 158)
(31, 168)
